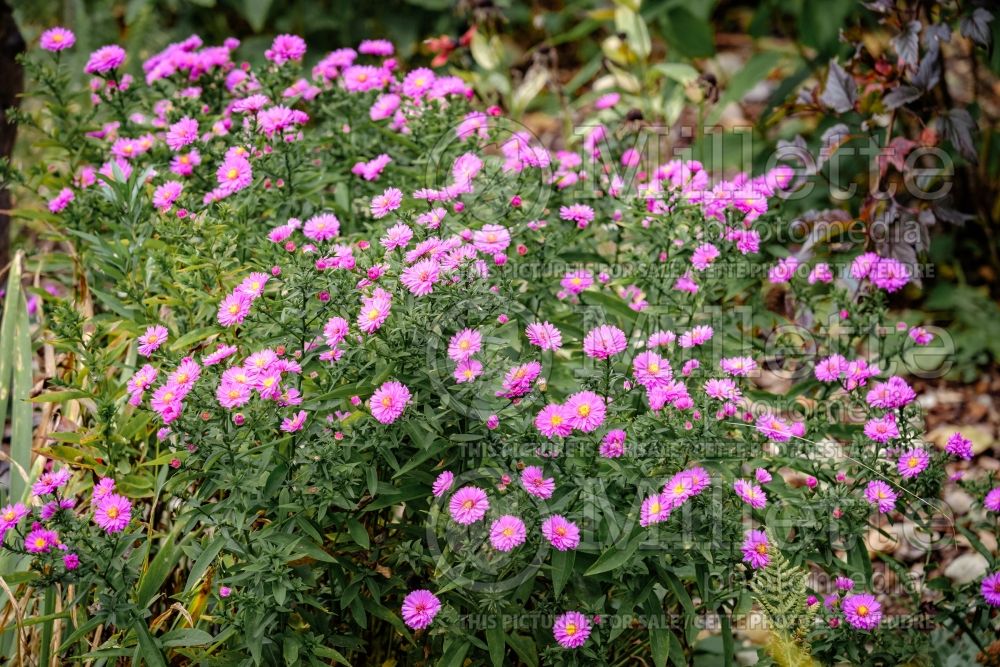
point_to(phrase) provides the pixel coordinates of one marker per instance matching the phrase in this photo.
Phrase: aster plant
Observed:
(361, 372)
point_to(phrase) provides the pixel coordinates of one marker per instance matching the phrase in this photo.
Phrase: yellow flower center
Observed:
(40, 542)
(571, 629)
(386, 401)
(232, 174)
(862, 610)
(654, 367)
(583, 410)
(362, 77)
(112, 512)
(762, 548)
(556, 420)
(9, 515)
(467, 504)
(561, 531)
(373, 314)
(508, 532)
(233, 309)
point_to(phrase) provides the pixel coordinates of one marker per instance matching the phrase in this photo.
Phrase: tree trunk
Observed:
(11, 85)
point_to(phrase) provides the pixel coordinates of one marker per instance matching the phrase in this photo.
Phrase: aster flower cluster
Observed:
(346, 363)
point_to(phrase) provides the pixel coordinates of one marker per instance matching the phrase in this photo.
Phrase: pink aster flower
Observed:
(40, 540)
(562, 534)
(992, 500)
(468, 505)
(467, 371)
(655, 509)
(518, 380)
(385, 203)
(783, 271)
(57, 39)
(586, 411)
(105, 59)
(703, 256)
(553, 421)
(920, 336)
(182, 133)
(384, 107)
(59, 203)
(581, 214)
(374, 311)
(150, 341)
(882, 430)
(234, 309)
(723, 390)
(419, 609)
(464, 344)
(606, 101)
(571, 629)
(862, 611)
(575, 282)
(48, 482)
(820, 273)
(960, 446)
(534, 482)
(376, 47)
(294, 423)
(491, 239)
(762, 475)
(750, 493)
(651, 370)
(755, 549)
(544, 335)
(831, 368)
(389, 401)
(443, 483)
(604, 341)
(253, 285)
(419, 278)
(738, 366)
(285, 48)
(696, 336)
(990, 589)
(507, 532)
(613, 444)
(233, 175)
(396, 236)
(912, 462)
(880, 494)
(11, 515)
(113, 513)
(322, 227)
(166, 194)
(889, 274)
(893, 393)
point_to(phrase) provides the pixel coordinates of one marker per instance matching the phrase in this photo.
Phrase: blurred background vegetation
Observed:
(762, 65)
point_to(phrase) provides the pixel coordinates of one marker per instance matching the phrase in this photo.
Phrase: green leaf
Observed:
(659, 635)
(614, 557)
(60, 396)
(562, 568)
(495, 639)
(358, 533)
(186, 637)
(454, 656)
(147, 648)
(690, 35)
(758, 67)
(525, 649)
(159, 569)
(255, 12)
